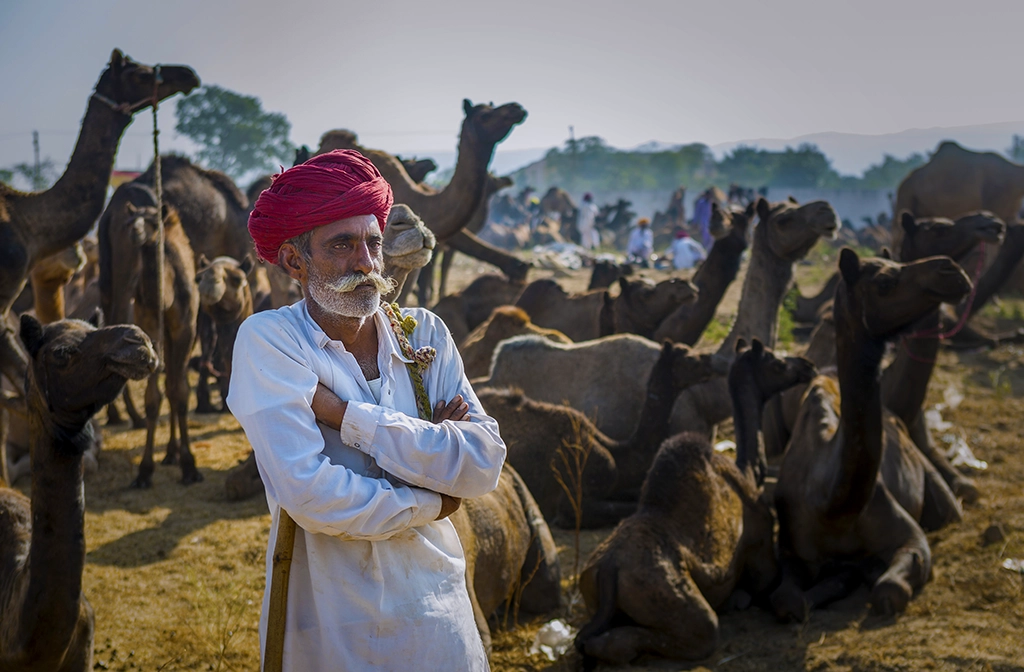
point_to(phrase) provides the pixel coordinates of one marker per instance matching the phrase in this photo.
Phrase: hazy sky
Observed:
(396, 72)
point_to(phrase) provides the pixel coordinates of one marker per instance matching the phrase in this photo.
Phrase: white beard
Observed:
(347, 296)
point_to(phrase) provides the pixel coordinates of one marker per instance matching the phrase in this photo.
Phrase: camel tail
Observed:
(607, 602)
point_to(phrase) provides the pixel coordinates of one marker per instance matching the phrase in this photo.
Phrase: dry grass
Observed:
(175, 573)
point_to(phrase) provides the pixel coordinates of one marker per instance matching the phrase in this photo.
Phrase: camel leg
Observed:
(469, 244)
(673, 620)
(961, 485)
(5, 473)
(153, 400)
(425, 284)
(891, 535)
(177, 396)
(446, 267)
(80, 650)
(207, 335)
(410, 281)
(138, 422)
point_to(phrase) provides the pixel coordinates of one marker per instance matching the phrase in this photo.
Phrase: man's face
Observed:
(344, 273)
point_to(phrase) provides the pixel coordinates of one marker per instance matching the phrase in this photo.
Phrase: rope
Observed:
(421, 358)
(937, 332)
(158, 190)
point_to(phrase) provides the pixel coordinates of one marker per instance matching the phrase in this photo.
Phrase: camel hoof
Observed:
(790, 605)
(141, 483)
(207, 407)
(139, 424)
(169, 458)
(965, 489)
(889, 597)
(191, 477)
(609, 648)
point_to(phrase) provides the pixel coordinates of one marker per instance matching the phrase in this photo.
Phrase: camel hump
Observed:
(512, 315)
(175, 163)
(948, 146)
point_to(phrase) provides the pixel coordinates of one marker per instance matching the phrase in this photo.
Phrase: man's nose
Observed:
(364, 258)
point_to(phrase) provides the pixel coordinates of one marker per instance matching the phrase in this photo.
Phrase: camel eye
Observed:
(886, 285)
(62, 356)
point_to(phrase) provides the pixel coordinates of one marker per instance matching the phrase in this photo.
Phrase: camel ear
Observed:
(623, 285)
(849, 266)
(467, 106)
(751, 209)
(741, 345)
(764, 210)
(31, 334)
(203, 263)
(757, 346)
(908, 222)
(165, 210)
(96, 319)
(793, 200)
(246, 265)
(884, 253)
(116, 60)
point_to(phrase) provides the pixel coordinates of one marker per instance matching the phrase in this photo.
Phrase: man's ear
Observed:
(291, 260)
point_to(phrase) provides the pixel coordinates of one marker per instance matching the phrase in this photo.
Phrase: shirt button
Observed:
(356, 445)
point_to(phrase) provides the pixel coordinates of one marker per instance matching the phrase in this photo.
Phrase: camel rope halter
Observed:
(421, 358)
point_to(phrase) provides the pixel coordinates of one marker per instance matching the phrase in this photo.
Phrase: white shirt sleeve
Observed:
(272, 387)
(461, 459)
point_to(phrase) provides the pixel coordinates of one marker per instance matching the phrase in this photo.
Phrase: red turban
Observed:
(328, 187)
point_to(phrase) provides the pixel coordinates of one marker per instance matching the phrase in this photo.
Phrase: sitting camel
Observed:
(712, 279)
(464, 311)
(46, 623)
(226, 300)
(604, 378)
(808, 309)
(504, 323)
(642, 305)
(542, 438)
(701, 531)
(128, 261)
(606, 273)
(850, 499)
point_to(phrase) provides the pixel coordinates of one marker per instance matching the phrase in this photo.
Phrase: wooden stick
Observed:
(277, 610)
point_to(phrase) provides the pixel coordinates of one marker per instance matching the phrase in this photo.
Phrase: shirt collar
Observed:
(387, 342)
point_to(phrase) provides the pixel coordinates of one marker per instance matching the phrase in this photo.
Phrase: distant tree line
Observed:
(589, 164)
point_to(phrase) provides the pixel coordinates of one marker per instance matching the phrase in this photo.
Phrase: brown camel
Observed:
(408, 246)
(607, 273)
(49, 277)
(642, 305)
(700, 532)
(808, 309)
(448, 211)
(504, 323)
(225, 297)
(36, 225)
(128, 259)
(785, 233)
(849, 498)
(417, 169)
(712, 279)
(46, 622)
(466, 310)
(605, 378)
(540, 436)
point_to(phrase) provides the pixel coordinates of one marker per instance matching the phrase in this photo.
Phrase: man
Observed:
(377, 576)
(589, 235)
(686, 252)
(641, 243)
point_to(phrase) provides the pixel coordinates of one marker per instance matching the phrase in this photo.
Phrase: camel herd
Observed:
(607, 409)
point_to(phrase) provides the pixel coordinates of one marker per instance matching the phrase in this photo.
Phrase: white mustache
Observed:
(350, 282)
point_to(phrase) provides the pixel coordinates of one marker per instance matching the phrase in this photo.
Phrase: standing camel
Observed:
(225, 298)
(46, 623)
(850, 499)
(128, 259)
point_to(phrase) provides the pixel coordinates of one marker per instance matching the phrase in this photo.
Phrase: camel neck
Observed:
(905, 380)
(66, 212)
(768, 277)
(747, 404)
(469, 179)
(635, 455)
(1007, 259)
(712, 279)
(859, 359)
(57, 554)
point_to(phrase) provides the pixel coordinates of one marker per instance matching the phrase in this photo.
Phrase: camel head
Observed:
(418, 169)
(793, 229)
(60, 267)
(496, 184)
(132, 85)
(339, 138)
(884, 296)
(933, 236)
(77, 368)
(223, 283)
(651, 303)
(689, 368)
(489, 125)
(733, 222)
(260, 185)
(408, 243)
(768, 373)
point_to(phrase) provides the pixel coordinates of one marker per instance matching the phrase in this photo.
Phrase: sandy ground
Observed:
(175, 574)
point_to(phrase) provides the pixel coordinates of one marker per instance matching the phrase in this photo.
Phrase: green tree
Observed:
(6, 176)
(890, 172)
(235, 135)
(37, 181)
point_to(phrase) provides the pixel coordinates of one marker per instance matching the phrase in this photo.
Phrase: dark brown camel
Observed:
(850, 499)
(36, 225)
(128, 257)
(606, 273)
(539, 434)
(701, 531)
(712, 279)
(466, 310)
(808, 308)
(225, 297)
(642, 305)
(46, 622)
(785, 234)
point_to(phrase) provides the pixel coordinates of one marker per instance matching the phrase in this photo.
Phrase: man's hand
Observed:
(328, 407)
(455, 410)
(449, 505)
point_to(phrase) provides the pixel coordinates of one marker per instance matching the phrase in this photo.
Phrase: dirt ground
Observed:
(175, 574)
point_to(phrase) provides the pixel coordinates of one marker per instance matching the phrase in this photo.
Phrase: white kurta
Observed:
(376, 583)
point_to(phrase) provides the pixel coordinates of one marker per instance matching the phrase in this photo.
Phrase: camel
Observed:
(956, 181)
(417, 169)
(510, 553)
(537, 432)
(46, 622)
(49, 277)
(642, 305)
(808, 309)
(225, 298)
(128, 257)
(449, 210)
(606, 273)
(408, 246)
(785, 233)
(604, 378)
(504, 323)
(37, 225)
(849, 497)
(712, 279)
(701, 531)
(581, 317)
(466, 310)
